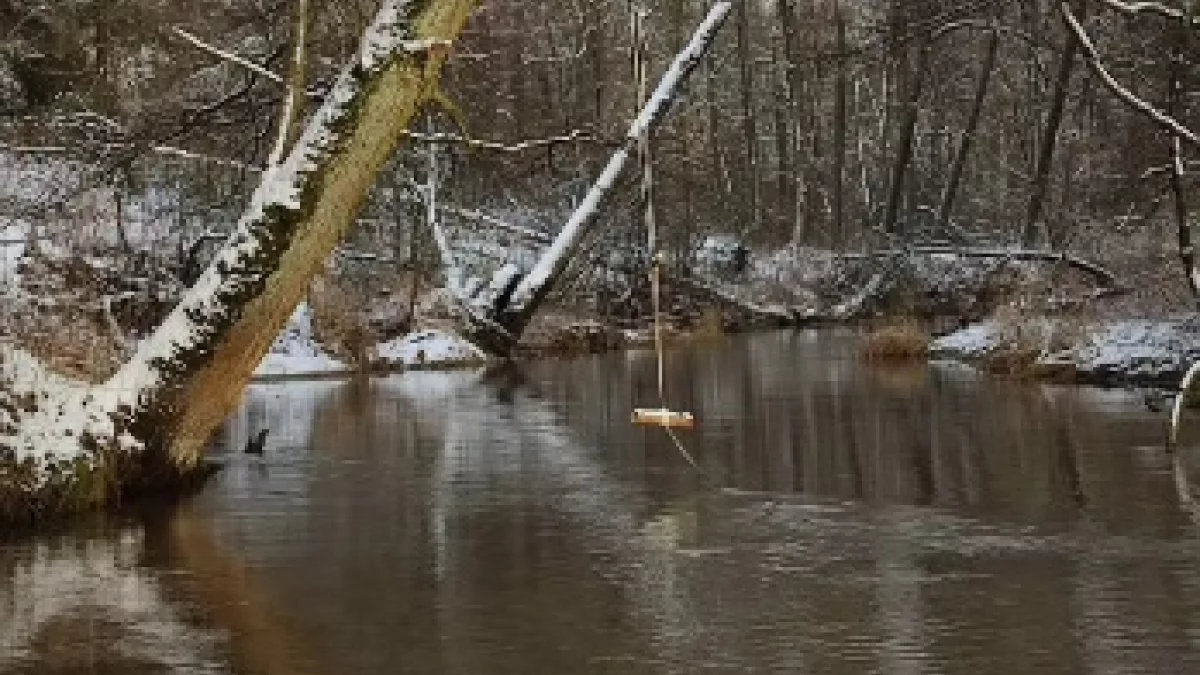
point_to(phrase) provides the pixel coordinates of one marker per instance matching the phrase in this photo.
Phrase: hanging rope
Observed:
(640, 50)
(646, 159)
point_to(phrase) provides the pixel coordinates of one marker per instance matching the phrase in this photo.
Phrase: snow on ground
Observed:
(296, 352)
(973, 342)
(428, 348)
(1138, 349)
(1131, 351)
(12, 247)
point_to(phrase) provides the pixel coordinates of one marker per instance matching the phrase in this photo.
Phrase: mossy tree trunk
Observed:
(66, 446)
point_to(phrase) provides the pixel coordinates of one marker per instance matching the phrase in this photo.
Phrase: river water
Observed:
(847, 519)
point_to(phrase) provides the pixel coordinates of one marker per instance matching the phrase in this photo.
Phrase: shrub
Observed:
(898, 339)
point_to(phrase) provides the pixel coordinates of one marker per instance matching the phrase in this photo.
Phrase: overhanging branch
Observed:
(1160, 118)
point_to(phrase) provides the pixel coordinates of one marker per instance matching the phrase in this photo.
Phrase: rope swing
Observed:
(663, 417)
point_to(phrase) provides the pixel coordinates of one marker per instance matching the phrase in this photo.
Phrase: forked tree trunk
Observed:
(67, 446)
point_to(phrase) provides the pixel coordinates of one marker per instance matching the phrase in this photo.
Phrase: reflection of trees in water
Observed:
(164, 598)
(84, 604)
(426, 508)
(777, 418)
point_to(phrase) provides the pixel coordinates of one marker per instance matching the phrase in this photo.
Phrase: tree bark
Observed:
(964, 147)
(1041, 181)
(904, 148)
(749, 121)
(1183, 229)
(785, 104)
(839, 131)
(67, 446)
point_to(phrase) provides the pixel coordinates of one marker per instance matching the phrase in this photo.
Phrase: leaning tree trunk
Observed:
(499, 313)
(67, 446)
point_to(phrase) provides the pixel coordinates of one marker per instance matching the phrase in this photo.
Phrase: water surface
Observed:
(849, 519)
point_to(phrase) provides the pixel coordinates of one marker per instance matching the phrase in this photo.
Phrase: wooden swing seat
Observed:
(661, 417)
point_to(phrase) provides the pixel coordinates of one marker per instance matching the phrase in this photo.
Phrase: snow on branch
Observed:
(575, 136)
(1152, 8)
(164, 150)
(226, 55)
(1160, 118)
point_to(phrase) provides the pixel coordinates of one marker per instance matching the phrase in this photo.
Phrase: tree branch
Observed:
(293, 102)
(575, 136)
(1163, 120)
(1152, 8)
(534, 286)
(226, 55)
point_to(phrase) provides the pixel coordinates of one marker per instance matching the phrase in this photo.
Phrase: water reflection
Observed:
(903, 520)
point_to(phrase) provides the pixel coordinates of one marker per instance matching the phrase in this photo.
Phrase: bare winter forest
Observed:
(831, 124)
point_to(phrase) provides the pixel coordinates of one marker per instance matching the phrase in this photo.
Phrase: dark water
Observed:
(850, 520)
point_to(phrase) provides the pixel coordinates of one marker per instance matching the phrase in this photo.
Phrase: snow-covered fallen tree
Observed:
(66, 446)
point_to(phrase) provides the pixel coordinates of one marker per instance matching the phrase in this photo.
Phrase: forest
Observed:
(599, 336)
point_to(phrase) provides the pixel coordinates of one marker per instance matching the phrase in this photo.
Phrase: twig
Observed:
(228, 56)
(575, 136)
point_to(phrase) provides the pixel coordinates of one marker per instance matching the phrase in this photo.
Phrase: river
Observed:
(847, 519)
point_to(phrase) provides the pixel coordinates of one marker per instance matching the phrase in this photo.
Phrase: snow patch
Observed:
(296, 352)
(12, 248)
(428, 348)
(61, 410)
(1136, 350)
(973, 342)
(1139, 349)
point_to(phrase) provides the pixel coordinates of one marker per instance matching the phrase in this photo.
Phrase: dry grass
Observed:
(897, 340)
(1027, 335)
(710, 326)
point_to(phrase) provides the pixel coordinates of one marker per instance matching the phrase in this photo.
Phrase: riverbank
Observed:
(1125, 352)
(1151, 352)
